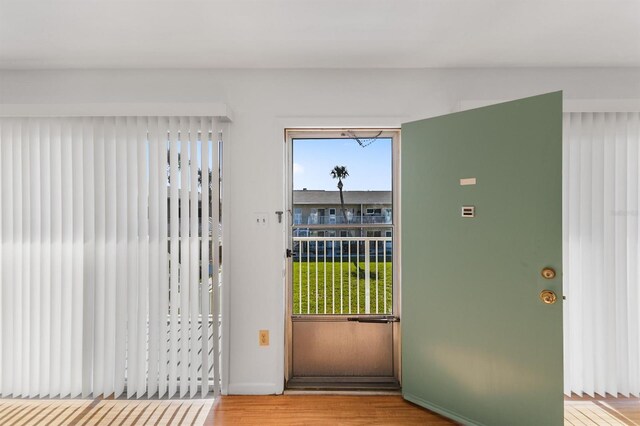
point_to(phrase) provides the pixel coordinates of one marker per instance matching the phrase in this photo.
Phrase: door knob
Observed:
(548, 297)
(548, 273)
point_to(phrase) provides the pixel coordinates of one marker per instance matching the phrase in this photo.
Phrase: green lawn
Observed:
(335, 301)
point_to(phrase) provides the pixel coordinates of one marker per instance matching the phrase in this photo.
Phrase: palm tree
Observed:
(340, 172)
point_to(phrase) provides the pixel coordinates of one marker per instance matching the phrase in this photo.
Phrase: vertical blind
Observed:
(109, 268)
(601, 253)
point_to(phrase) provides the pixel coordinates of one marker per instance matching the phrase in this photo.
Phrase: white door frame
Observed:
(338, 133)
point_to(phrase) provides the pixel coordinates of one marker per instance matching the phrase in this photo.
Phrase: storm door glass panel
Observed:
(343, 227)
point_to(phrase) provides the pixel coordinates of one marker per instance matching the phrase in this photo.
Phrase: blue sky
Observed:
(369, 168)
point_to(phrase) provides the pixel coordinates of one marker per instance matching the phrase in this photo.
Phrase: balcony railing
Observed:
(338, 219)
(342, 275)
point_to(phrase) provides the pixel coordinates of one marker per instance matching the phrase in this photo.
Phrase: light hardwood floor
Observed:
(277, 410)
(323, 410)
(601, 411)
(104, 412)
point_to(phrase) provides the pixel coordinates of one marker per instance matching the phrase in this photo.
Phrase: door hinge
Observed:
(289, 253)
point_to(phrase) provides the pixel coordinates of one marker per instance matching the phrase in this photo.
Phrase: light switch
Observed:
(260, 219)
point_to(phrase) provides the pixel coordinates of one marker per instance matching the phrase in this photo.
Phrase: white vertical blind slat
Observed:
(217, 144)
(155, 177)
(19, 373)
(194, 260)
(633, 231)
(602, 188)
(89, 244)
(45, 276)
(77, 287)
(143, 255)
(9, 259)
(593, 178)
(566, 121)
(132, 256)
(6, 206)
(184, 257)
(66, 236)
(113, 267)
(26, 258)
(163, 260)
(121, 171)
(100, 300)
(585, 212)
(204, 250)
(618, 381)
(22, 292)
(174, 268)
(121, 174)
(56, 258)
(573, 246)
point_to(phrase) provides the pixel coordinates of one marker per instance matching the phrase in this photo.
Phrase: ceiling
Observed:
(318, 33)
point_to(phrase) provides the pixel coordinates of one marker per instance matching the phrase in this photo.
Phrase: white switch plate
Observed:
(260, 219)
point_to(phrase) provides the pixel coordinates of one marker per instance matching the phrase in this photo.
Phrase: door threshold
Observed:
(358, 384)
(344, 392)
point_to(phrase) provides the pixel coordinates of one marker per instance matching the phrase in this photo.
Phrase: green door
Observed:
(478, 343)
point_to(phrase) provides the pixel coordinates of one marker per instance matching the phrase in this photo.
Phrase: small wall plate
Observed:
(468, 211)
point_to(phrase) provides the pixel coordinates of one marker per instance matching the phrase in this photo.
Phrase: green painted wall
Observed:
(477, 343)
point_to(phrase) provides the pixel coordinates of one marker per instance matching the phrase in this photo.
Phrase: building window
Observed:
(313, 217)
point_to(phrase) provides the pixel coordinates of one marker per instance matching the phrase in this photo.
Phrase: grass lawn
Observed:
(337, 295)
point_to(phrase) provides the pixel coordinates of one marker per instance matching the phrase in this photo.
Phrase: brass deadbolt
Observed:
(548, 273)
(548, 297)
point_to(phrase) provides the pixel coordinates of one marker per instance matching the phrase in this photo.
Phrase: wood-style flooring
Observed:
(323, 410)
(601, 411)
(113, 412)
(277, 410)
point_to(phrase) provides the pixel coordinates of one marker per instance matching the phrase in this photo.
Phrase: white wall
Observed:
(266, 101)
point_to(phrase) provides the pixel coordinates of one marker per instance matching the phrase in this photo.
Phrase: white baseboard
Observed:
(254, 389)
